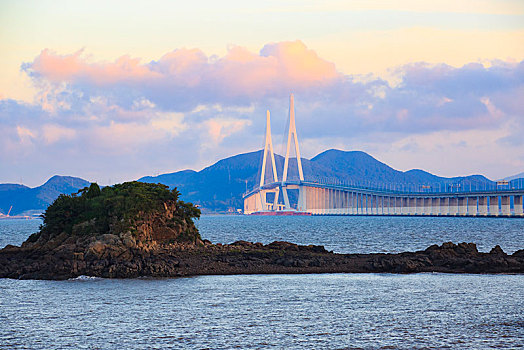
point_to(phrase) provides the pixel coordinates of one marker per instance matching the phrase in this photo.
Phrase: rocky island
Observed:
(139, 229)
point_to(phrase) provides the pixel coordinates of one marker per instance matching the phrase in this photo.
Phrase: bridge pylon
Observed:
(268, 150)
(292, 136)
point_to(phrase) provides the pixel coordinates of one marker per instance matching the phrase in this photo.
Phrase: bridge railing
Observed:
(461, 186)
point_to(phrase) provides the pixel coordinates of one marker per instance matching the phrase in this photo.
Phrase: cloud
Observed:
(219, 129)
(189, 109)
(77, 68)
(25, 135)
(54, 133)
(184, 78)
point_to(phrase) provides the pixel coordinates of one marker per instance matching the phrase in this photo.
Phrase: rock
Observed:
(497, 250)
(518, 253)
(467, 248)
(242, 244)
(283, 245)
(128, 240)
(313, 248)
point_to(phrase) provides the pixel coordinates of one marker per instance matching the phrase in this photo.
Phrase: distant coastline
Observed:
(219, 187)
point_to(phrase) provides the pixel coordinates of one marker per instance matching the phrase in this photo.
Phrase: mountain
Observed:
(514, 177)
(24, 198)
(221, 185)
(357, 166)
(360, 167)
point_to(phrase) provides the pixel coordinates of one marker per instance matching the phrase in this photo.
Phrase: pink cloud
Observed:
(299, 63)
(219, 129)
(54, 133)
(278, 67)
(75, 67)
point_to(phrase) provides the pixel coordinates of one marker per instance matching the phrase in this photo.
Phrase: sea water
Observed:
(281, 311)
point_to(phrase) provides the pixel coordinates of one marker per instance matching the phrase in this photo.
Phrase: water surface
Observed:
(332, 311)
(342, 234)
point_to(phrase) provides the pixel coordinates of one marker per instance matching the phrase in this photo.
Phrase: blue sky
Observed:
(112, 92)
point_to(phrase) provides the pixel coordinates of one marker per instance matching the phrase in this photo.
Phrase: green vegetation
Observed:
(115, 209)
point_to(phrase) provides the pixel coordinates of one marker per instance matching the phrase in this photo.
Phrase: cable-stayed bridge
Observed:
(319, 196)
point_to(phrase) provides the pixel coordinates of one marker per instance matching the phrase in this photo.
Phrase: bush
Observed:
(112, 208)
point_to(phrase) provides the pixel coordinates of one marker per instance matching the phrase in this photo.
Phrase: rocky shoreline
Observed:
(109, 258)
(143, 230)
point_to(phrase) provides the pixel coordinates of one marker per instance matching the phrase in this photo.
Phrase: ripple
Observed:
(338, 311)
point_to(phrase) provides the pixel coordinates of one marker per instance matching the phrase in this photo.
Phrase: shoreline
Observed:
(107, 258)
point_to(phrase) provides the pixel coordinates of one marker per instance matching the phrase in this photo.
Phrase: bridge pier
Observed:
(453, 206)
(482, 206)
(341, 202)
(505, 206)
(328, 204)
(302, 199)
(472, 206)
(401, 205)
(333, 202)
(462, 206)
(409, 206)
(419, 206)
(346, 202)
(392, 205)
(444, 206)
(427, 206)
(325, 201)
(517, 205)
(494, 205)
(436, 206)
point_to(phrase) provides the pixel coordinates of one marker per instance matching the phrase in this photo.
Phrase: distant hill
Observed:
(221, 185)
(514, 177)
(24, 198)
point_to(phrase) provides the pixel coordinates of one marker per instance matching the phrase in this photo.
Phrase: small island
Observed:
(140, 229)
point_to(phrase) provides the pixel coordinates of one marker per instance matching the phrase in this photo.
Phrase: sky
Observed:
(113, 91)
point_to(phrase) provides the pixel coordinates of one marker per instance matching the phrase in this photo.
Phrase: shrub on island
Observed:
(147, 211)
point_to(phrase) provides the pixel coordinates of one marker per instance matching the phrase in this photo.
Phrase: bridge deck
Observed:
(334, 199)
